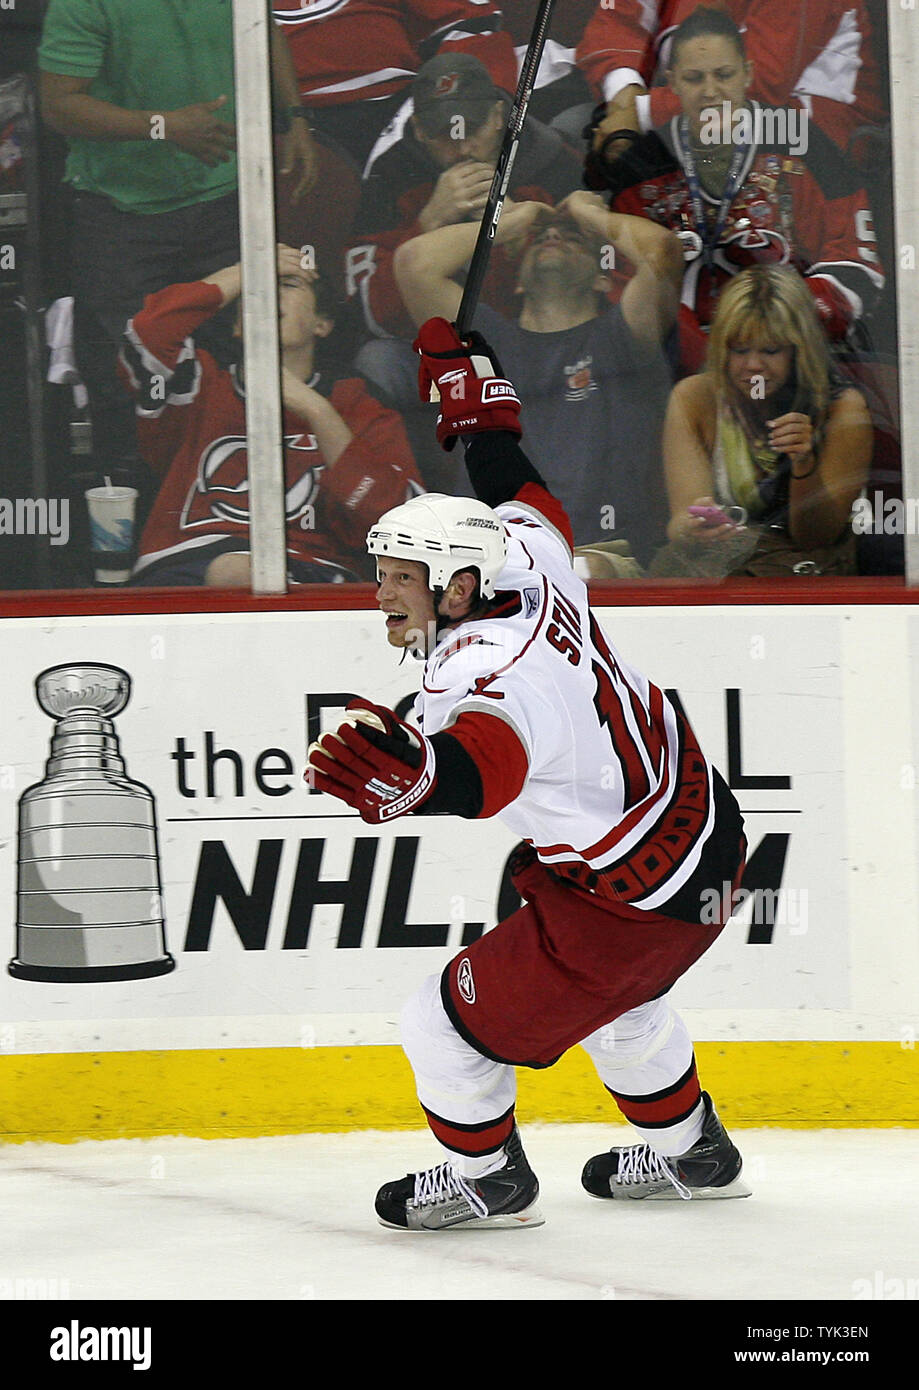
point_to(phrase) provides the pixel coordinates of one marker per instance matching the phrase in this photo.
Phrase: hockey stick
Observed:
(498, 191)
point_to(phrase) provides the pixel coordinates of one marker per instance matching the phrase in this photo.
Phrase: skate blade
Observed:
(530, 1216)
(737, 1188)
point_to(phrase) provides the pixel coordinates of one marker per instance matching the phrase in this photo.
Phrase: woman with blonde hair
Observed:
(766, 450)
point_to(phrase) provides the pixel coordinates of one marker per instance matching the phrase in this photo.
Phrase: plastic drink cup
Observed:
(111, 520)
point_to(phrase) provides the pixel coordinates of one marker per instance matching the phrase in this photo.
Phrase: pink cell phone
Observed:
(712, 516)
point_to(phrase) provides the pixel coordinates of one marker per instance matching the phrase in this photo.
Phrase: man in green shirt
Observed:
(143, 90)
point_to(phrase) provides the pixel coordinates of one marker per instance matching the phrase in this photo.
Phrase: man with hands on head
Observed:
(592, 377)
(434, 167)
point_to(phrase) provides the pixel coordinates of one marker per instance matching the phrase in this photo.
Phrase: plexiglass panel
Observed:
(692, 285)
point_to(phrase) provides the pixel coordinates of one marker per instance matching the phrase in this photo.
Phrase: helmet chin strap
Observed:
(441, 621)
(476, 608)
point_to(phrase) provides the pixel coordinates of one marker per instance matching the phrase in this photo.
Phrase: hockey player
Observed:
(527, 712)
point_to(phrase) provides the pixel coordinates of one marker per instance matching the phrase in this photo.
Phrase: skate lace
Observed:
(445, 1184)
(640, 1163)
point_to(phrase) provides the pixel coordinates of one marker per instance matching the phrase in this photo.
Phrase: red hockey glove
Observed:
(382, 773)
(834, 309)
(474, 393)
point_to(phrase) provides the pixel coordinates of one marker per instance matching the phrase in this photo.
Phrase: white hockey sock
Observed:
(675, 1140)
(643, 1053)
(469, 1167)
(455, 1084)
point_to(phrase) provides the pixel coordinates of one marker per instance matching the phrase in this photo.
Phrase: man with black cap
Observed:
(433, 167)
(355, 59)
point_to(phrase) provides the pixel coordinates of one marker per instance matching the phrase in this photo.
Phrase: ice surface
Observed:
(834, 1215)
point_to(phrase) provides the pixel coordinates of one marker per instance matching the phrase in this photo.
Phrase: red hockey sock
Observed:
(663, 1109)
(472, 1141)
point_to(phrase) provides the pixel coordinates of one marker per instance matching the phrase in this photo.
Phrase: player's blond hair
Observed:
(769, 306)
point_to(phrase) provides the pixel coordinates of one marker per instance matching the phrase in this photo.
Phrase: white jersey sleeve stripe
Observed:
(542, 520)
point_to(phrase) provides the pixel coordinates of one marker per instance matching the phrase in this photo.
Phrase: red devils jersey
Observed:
(821, 52)
(811, 213)
(354, 50)
(191, 423)
(616, 793)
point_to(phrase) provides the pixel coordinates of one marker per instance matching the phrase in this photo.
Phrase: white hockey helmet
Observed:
(447, 534)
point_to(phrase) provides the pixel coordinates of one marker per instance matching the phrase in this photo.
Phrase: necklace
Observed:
(713, 162)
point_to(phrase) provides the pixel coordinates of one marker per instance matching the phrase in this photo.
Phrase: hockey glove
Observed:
(473, 391)
(833, 307)
(382, 773)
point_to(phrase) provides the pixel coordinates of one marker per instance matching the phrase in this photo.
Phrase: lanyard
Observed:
(710, 238)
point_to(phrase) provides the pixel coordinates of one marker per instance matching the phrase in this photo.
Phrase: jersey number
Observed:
(641, 753)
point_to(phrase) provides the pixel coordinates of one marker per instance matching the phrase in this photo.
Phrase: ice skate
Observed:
(440, 1198)
(711, 1169)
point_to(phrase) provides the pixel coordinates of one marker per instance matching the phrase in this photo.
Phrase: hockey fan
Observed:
(346, 457)
(527, 712)
(742, 187)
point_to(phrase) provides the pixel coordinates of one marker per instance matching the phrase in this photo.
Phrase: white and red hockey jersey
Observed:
(191, 427)
(358, 50)
(820, 53)
(579, 753)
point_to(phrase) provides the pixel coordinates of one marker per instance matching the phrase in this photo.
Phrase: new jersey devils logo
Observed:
(220, 492)
(447, 85)
(753, 246)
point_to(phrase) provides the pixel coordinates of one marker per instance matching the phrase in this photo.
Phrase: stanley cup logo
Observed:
(88, 896)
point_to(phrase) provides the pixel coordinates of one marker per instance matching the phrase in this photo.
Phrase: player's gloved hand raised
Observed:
(474, 393)
(382, 772)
